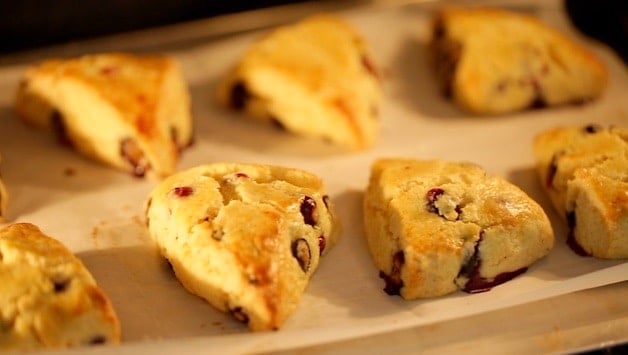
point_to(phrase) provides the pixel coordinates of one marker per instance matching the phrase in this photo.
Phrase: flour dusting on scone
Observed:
(314, 78)
(130, 112)
(4, 199)
(584, 171)
(493, 61)
(434, 227)
(245, 237)
(48, 299)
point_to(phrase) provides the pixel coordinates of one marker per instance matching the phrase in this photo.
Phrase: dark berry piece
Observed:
(61, 284)
(97, 340)
(432, 195)
(552, 168)
(132, 153)
(322, 243)
(239, 96)
(308, 210)
(183, 191)
(471, 270)
(393, 281)
(58, 127)
(301, 251)
(593, 128)
(571, 238)
(239, 314)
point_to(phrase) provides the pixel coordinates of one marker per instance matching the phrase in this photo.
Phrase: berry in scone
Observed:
(245, 237)
(314, 78)
(48, 299)
(492, 61)
(584, 171)
(128, 111)
(434, 227)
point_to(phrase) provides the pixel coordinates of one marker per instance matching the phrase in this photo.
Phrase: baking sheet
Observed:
(98, 212)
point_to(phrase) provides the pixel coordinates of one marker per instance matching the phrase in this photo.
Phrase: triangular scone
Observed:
(493, 61)
(314, 78)
(48, 299)
(4, 199)
(584, 171)
(434, 227)
(247, 238)
(130, 112)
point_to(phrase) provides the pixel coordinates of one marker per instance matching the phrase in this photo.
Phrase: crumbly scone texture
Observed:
(434, 227)
(313, 78)
(584, 171)
(492, 61)
(48, 299)
(4, 198)
(245, 237)
(131, 112)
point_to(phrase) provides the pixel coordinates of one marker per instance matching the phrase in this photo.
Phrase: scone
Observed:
(130, 112)
(493, 61)
(47, 296)
(4, 199)
(313, 78)
(584, 171)
(434, 227)
(245, 237)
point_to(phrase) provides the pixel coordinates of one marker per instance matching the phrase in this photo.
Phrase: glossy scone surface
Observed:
(131, 112)
(47, 296)
(434, 227)
(314, 78)
(493, 61)
(245, 237)
(584, 171)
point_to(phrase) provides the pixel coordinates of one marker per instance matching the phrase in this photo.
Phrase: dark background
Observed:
(26, 24)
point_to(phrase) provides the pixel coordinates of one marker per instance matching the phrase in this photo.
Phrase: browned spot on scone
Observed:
(393, 281)
(277, 123)
(367, 63)
(131, 152)
(301, 252)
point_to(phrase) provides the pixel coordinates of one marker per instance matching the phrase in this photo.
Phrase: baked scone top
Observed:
(449, 226)
(584, 170)
(112, 104)
(502, 61)
(47, 296)
(246, 237)
(315, 77)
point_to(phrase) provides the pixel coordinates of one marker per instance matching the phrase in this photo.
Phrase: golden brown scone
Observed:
(48, 299)
(4, 200)
(434, 227)
(584, 171)
(245, 237)
(314, 78)
(492, 61)
(130, 112)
